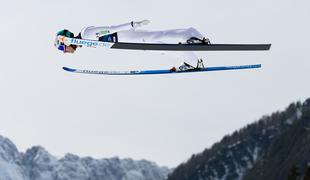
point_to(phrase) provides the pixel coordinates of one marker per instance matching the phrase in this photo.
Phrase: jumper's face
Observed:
(69, 49)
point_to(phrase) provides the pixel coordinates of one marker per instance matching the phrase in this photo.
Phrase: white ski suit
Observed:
(127, 33)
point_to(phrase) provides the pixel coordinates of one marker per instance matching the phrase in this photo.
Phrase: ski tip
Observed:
(257, 66)
(68, 69)
(254, 66)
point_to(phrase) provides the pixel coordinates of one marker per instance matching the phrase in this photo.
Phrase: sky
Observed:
(161, 118)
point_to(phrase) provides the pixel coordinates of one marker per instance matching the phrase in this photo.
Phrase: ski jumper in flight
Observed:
(128, 33)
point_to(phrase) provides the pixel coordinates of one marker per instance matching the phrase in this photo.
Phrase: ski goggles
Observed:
(61, 47)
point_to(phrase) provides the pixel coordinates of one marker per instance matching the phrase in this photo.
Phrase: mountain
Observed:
(37, 164)
(276, 147)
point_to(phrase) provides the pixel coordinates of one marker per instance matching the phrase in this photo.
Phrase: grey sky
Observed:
(163, 118)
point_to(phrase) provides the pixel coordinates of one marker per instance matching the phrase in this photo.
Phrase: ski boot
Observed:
(186, 67)
(206, 40)
(182, 67)
(194, 40)
(200, 64)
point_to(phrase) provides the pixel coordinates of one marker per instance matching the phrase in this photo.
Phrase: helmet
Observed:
(60, 45)
(65, 33)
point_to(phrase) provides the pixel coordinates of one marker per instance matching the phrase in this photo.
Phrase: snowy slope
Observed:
(37, 164)
(266, 149)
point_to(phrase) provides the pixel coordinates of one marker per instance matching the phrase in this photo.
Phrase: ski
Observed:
(164, 47)
(192, 47)
(149, 72)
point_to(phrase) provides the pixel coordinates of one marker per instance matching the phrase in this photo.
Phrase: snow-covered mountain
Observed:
(37, 164)
(273, 148)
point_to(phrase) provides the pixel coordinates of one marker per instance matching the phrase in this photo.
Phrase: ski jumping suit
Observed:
(127, 33)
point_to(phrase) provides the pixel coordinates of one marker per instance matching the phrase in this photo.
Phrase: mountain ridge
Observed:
(38, 164)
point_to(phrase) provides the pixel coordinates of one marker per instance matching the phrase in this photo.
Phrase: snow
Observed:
(9, 171)
(240, 170)
(248, 162)
(38, 164)
(299, 114)
(233, 145)
(215, 173)
(289, 121)
(255, 154)
(133, 174)
(264, 132)
(8, 150)
(226, 172)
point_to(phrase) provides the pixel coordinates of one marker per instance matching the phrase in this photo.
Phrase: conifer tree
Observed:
(307, 174)
(293, 175)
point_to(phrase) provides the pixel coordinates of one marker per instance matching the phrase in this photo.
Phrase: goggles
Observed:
(61, 47)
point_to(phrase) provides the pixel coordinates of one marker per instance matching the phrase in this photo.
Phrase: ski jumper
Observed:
(127, 33)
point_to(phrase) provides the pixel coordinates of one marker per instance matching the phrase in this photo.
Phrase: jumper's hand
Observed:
(140, 23)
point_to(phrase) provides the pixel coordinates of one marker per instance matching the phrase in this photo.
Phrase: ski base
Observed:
(149, 72)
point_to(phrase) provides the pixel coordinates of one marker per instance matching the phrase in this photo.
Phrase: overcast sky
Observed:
(162, 118)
